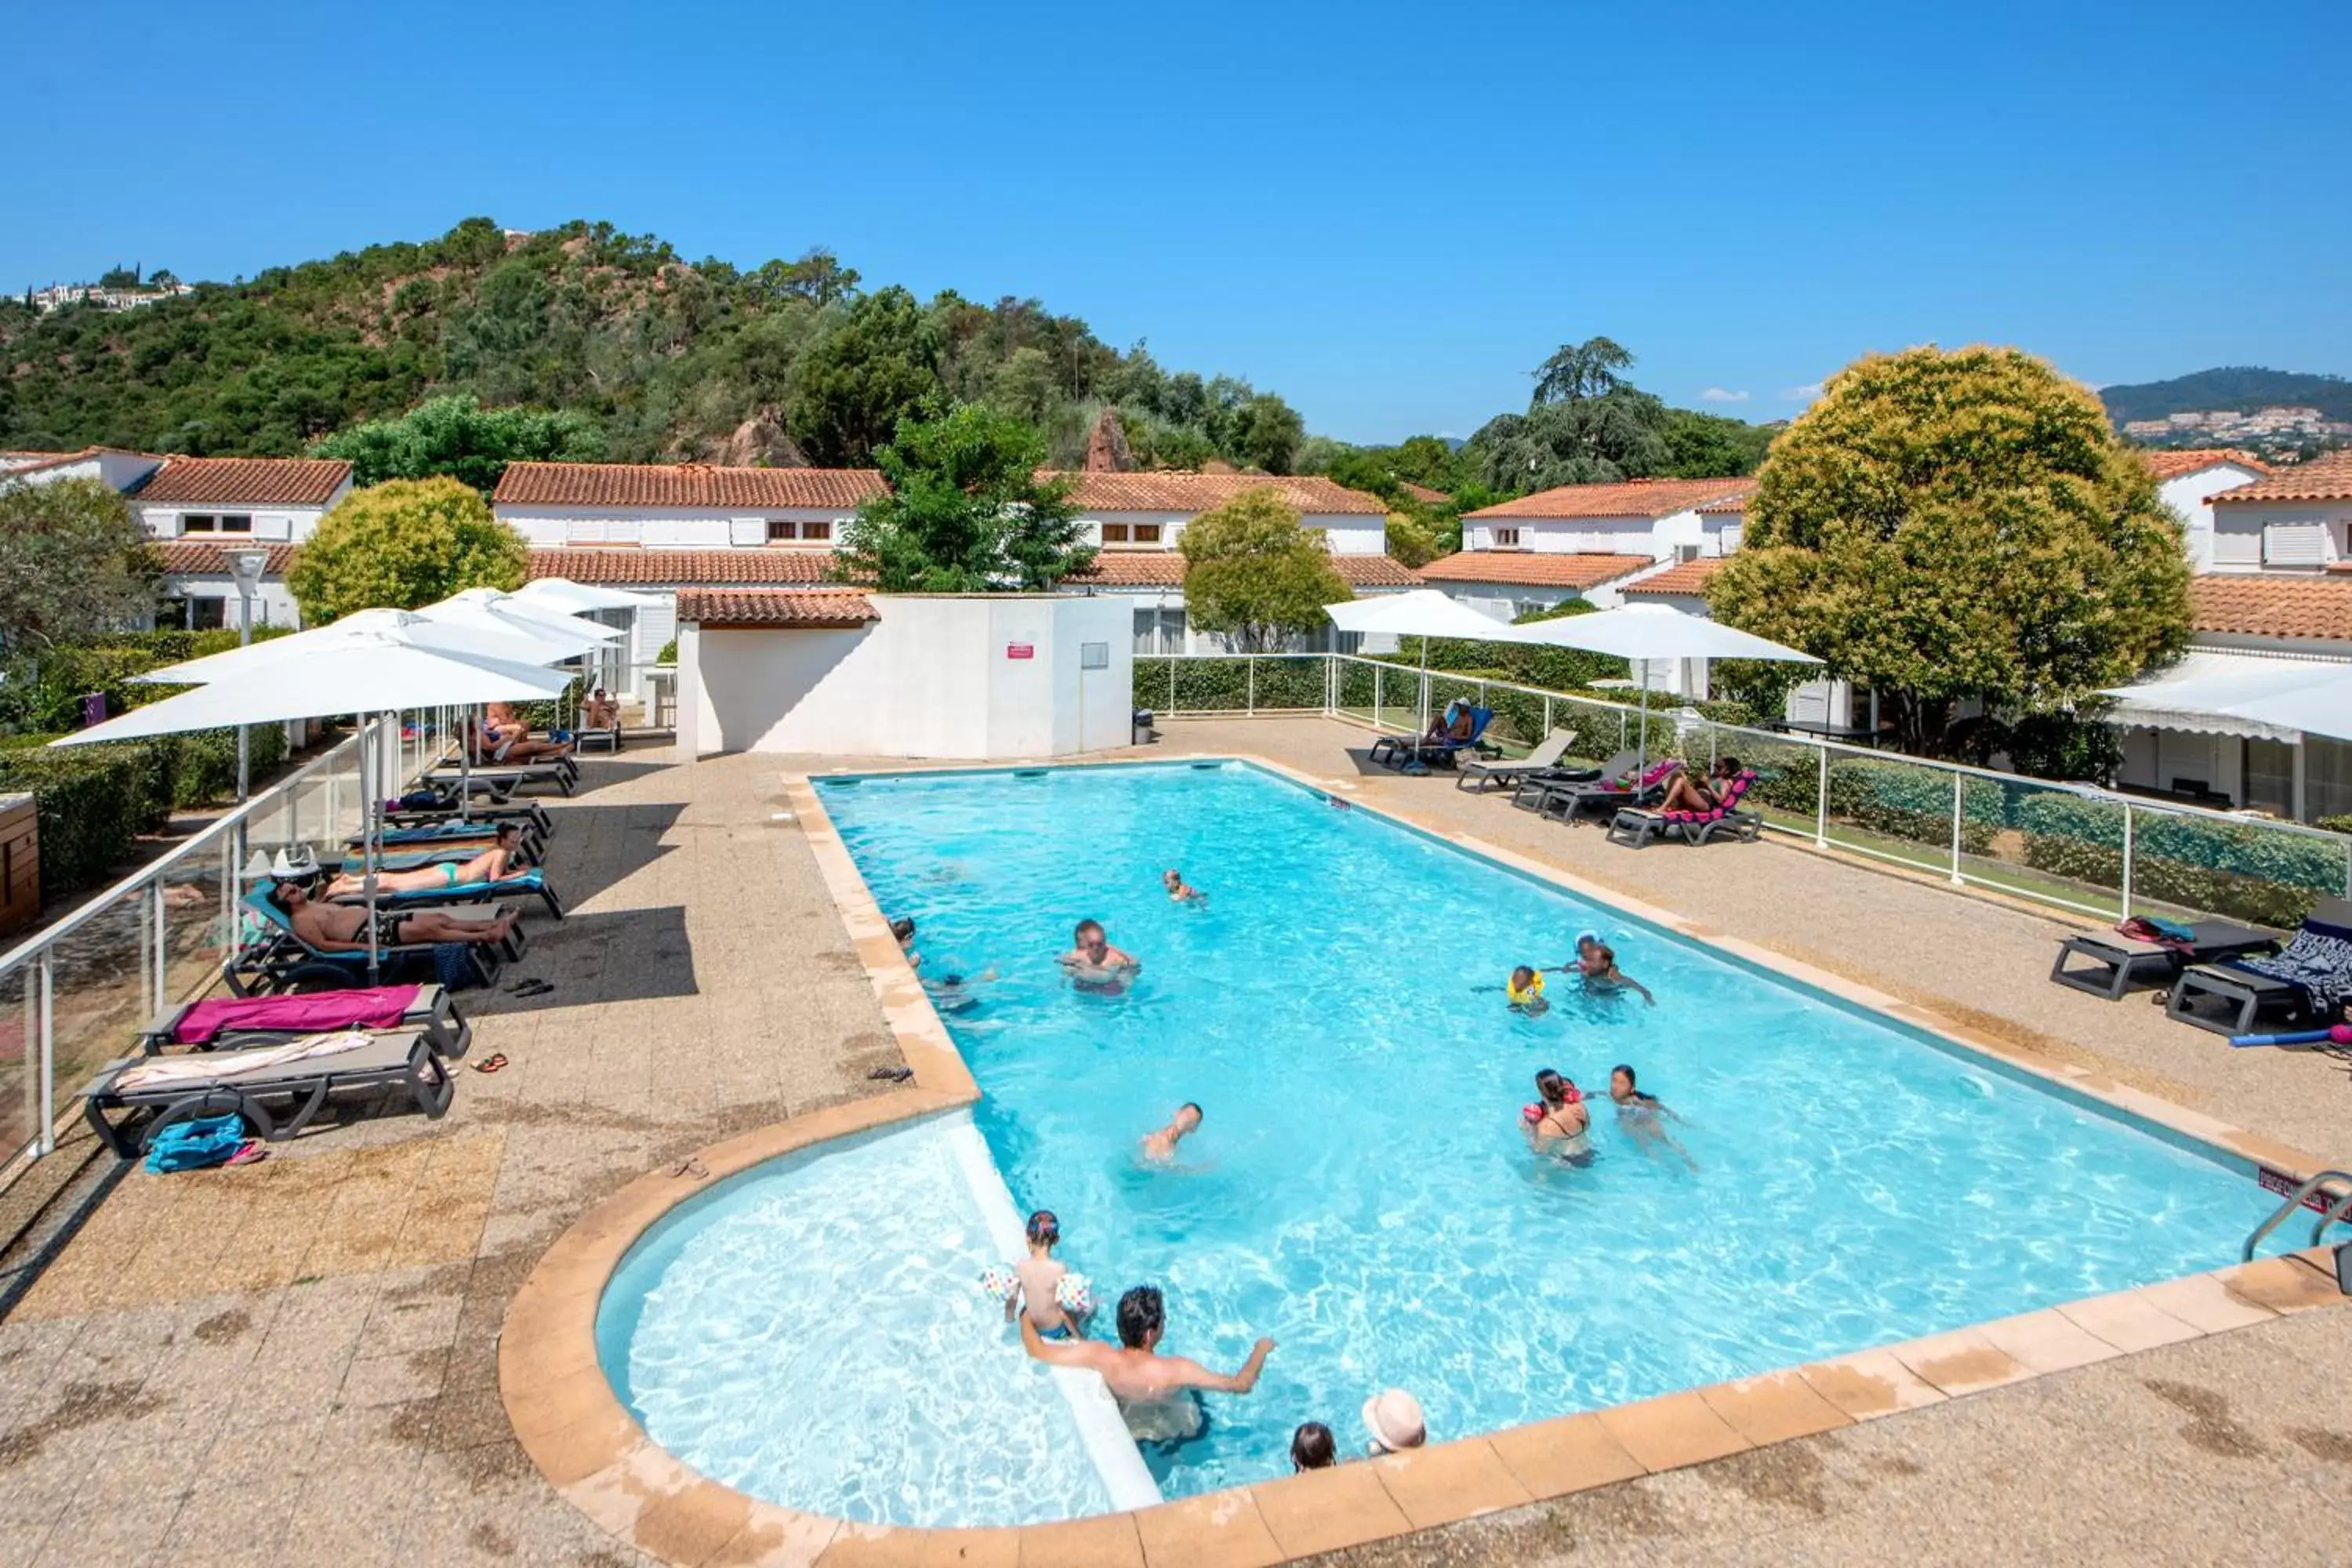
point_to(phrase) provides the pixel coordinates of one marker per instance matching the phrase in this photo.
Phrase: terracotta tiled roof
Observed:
(1728, 505)
(1530, 569)
(40, 461)
(2171, 464)
(1425, 494)
(687, 567)
(184, 559)
(771, 608)
(1690, 577)
(2328, 477)
(2272, 607)
(1627, 498)
(1165, 569)
(245, 482)
(1202, 492)
(684, 485)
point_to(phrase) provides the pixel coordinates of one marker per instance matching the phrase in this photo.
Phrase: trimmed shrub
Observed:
(2242, 870)
(206, 772)
(90, 802)
(1914, 804)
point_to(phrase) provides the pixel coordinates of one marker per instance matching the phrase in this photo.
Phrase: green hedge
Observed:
(43, 693)
(1910, 803)
(1223, 685)
(2242, 870)
(90, 802)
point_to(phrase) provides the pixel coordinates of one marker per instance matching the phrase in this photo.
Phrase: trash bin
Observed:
(1143, 736)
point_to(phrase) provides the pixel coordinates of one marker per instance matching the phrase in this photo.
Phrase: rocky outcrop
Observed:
(760, 442)
(1107, 448)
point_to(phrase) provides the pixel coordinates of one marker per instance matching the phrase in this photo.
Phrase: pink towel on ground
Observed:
(370, 1007)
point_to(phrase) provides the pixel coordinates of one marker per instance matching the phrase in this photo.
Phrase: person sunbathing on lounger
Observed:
(495, 747)
(1453, 724)
(1684, 793)
(342, 928)
(599, 712)
(495, 864)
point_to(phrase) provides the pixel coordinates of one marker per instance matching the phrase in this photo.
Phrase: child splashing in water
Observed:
(1181, 891)
(1559, 1124)
(1040, 1277)
(1526, 990)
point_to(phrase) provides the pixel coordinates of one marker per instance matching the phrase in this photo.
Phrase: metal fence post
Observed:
(48, 1081)
(1821, 799)
(1171, 683)
(1547, 715)
(2127, 861)
(1380, 674)
(1959, 782)
(1249, 677)
(155, 923)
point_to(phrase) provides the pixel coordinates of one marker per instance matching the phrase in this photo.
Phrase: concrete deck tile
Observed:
(2203, 1302)
(693, 1524)
(2130, 1321)
(1671, 1431)
(1328, 1510)
(775, 1538)
(972, 1549)
(2282, 1284)
(1447, 1481)
(1217, 1529)
(1106, 1540)
(1773, 1409)
(856, 1545)
(2047, 1341)
(1871, 1383)
(1962, 1361)
(1570, 1454)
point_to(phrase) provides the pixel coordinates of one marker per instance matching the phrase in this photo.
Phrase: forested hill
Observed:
(2242, 388)
(789, 362)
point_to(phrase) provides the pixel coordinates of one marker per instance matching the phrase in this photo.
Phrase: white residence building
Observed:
(1591, 541)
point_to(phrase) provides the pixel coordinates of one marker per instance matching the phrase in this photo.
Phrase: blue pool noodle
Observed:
(2303, 1038)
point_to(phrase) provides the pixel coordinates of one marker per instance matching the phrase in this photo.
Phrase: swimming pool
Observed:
(1359, 1189)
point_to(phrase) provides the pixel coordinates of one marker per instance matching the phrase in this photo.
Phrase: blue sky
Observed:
(1386, 213)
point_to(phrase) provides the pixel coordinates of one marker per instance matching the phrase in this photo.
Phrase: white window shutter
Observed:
(272, 525)
(656, 624)
(2294, 544)
(586, 531)
(741, 530)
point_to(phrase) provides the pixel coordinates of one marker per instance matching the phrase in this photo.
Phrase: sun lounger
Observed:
(1479, 774)
(129, 1100)
(1635, 826)
(447, 814)
(532, 883)
(1614, 790)
(2310, 979)
(453, 830)
(499, 779)
(1400, 750)
(235, 1023)
(276, 960)
(1529, 793)
(410, 857)
(2109, 964)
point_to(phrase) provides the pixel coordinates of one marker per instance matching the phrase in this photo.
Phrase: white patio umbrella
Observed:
(1423, 612)
(458, 637)
(362, 672)
(490, 609)
(1651, 632)
(565, 595)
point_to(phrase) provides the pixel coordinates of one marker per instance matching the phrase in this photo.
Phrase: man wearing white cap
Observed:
(1393, 1419)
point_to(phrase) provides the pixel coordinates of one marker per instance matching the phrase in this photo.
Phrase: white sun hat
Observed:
(1393, 1419)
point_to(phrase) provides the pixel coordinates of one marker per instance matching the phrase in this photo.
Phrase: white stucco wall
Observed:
(119, 469)
(933, 676)
(273, 602)
(274, 524)
(656, 528)
(2257, 538)
(2191, 497)
(1347, 533)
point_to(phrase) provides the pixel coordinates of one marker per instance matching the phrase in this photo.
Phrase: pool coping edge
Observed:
(572, 1423)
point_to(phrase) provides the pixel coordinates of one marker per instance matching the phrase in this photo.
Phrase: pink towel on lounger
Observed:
(370, 1007)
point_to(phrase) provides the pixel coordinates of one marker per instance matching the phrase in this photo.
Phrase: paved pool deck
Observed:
(299, 1359)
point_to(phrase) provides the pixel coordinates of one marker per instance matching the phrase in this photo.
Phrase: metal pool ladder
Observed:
(2338, 1212)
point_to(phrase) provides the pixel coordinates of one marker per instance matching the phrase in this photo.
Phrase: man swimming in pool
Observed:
(1156, 1392)
(1160, 1148)
(342, 928)
(1092, 962)
(958, 993)
(496, 864)
(1181, 891)
(1603, 978)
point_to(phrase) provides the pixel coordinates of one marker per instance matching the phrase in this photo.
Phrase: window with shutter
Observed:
(2294, 544)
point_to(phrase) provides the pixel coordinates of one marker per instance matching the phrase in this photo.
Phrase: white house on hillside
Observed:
(195, 508)
(1587, 541)
(2189, 479)
(1137, 519)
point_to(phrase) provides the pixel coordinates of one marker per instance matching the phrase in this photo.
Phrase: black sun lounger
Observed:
(524, 811)
(2311, 979)
(1531, 793)
(275, 959)
(499, 779)
(125, 1116)
(2109, 964)
(249, 1021)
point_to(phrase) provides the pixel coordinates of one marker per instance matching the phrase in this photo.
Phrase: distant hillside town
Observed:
(2277, 434)
(120, 289)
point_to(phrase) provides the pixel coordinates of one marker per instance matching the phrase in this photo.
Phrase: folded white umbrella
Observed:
(1423, 612)
(1655, 632)
(563, 593)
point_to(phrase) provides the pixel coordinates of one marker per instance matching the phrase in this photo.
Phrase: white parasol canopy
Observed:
(488, 609)
(1654, 632)
(563, 593)
(456, 638)
(1423, 612)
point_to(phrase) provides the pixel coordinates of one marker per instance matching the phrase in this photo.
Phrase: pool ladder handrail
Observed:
(2338, 1211)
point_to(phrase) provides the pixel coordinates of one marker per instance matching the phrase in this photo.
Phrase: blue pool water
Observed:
(1359, 1189)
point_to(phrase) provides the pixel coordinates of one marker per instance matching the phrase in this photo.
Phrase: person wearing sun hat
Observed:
(1393, 1419)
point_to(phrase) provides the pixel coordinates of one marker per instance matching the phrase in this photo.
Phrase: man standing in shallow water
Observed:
(1160, 1148)
(1155, 1391)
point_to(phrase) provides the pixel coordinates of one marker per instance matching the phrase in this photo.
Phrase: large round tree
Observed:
(1948, 526)
(401, 544)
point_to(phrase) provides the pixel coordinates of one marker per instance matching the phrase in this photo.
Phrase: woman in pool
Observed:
(1560, 1125)
(1643, 1116)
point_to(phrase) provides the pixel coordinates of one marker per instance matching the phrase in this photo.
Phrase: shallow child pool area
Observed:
(1359, 1188)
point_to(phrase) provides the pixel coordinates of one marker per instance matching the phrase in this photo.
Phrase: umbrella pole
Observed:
(1642, 746)
(1425, 687)
(371, 830)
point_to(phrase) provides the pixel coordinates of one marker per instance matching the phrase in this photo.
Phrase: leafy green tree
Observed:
(73, 563)
(458, 437)
(1266, 434)
(855, 385)
(1578, 371)
(1411, 540)
(1709, 446)
(1619, 435)
(1252, 574)
(966, 512)
(1942, 527)
(402, 545)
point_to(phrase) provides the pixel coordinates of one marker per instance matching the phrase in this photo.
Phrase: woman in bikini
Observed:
(495, 864)
(1560, 1125)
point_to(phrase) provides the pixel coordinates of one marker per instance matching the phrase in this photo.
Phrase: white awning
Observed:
(2200, 693)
